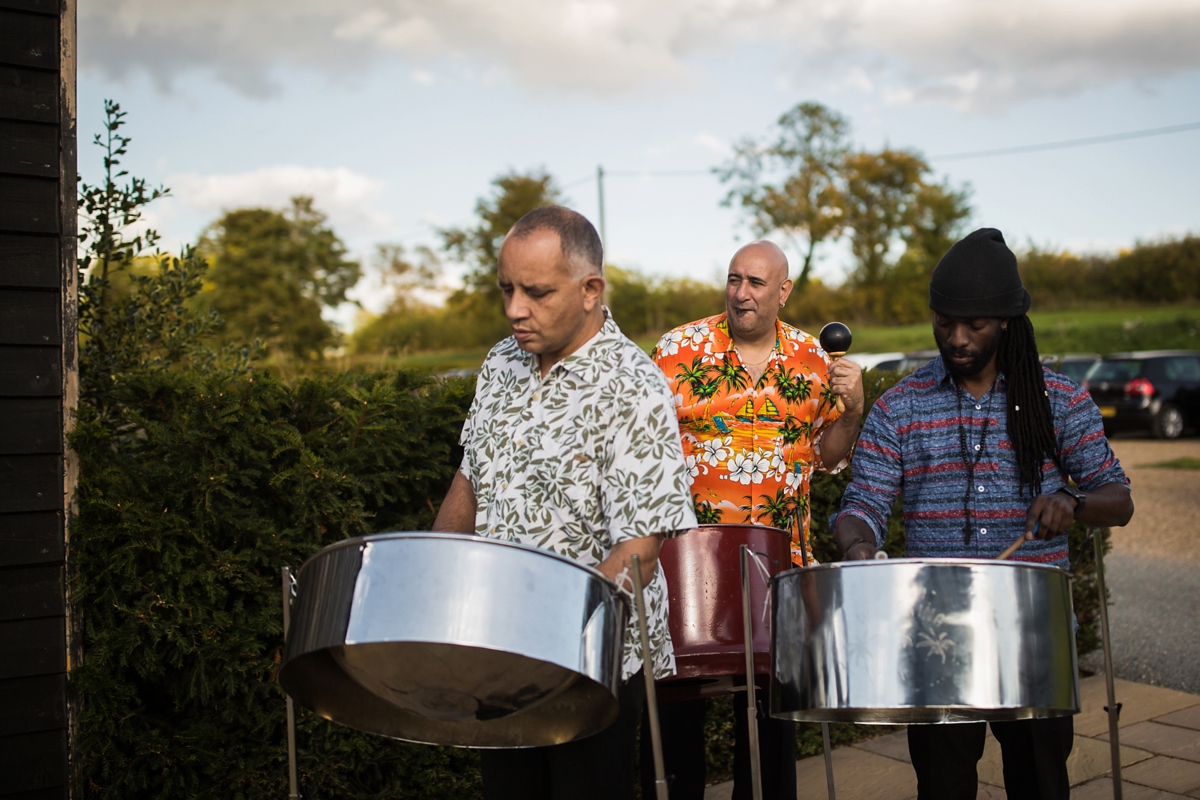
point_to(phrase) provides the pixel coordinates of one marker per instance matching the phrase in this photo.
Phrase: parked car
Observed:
(916, 359)
(1158, 391)
(1074, 365)
(884, 362)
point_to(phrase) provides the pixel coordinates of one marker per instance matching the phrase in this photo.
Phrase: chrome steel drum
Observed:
(704, 585)
(921, 640)
(455, 640)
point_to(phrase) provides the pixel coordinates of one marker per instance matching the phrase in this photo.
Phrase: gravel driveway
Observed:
(1154, 570)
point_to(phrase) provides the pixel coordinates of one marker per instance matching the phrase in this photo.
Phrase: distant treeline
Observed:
(1166, 272)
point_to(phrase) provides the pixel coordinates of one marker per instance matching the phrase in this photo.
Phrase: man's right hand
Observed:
(855, 539)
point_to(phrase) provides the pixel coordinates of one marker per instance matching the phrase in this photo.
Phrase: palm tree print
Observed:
(827, 395)
(732, 375)
(696, 376)
(705, 513)
(781, 508)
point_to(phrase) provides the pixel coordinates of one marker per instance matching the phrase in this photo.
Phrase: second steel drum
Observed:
(455, 640)
(923, 641)
(704, 583)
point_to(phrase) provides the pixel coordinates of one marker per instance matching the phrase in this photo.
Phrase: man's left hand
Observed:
(845, 378)
(1049, 516)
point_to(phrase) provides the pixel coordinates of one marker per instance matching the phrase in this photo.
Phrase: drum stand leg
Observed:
(1113, 708)
(660, 780)
(293, 782)
(751, 701)
(828, 761)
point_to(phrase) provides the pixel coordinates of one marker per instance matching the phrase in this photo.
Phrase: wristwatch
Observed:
(1080, 497)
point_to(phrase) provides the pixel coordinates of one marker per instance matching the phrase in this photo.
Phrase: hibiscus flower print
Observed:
(741, 468)
(669, 343)
(760, 466)
(695, 467)
(696, 333)
(792, 479)
(716, 450)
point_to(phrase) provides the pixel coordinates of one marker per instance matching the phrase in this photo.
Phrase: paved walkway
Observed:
(1160, 754)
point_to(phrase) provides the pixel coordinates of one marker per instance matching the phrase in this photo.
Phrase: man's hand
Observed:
(619, 558)
(855, 539)
(845, 378)
(1049, 516)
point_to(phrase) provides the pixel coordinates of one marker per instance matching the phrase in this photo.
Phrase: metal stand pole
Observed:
(828, 761)
(660, 779)
(1113, 708)
(293, 780)
(751, 702)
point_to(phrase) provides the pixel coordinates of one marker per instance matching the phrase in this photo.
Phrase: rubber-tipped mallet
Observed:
(835, 340)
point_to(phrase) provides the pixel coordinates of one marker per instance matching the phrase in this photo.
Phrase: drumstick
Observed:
(1015, 546)
(835, 341)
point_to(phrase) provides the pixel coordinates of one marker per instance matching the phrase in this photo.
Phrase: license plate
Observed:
(1108, 411)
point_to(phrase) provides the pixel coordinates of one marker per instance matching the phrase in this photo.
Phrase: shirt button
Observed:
(977, 447)
(983, 531)
(977, 407)
(520, 442)
(538, 396)
(981, 488)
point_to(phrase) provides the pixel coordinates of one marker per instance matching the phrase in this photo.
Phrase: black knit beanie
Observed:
(978, 277)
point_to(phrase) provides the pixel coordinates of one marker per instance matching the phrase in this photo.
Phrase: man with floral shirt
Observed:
(571, 445)
(756, 400)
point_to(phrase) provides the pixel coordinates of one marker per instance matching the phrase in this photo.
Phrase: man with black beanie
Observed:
(986, 445)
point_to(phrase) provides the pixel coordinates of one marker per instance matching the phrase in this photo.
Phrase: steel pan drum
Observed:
(704, 584)
(923, 641)
(455, 640)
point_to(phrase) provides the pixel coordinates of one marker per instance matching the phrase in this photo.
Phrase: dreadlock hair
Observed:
(1030, 419)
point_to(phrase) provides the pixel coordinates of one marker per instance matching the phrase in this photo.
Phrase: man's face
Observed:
(546, 305)
(967, 345)
(756, 287)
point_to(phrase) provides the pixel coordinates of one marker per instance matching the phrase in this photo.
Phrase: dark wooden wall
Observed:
(37, 389)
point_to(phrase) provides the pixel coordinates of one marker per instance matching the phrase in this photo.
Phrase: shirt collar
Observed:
(589, 360)
(942, 375)
(723, 339)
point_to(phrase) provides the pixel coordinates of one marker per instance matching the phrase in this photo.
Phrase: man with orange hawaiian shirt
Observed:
(756, 404)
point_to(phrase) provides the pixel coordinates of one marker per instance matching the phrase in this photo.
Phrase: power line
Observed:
(1066, 143)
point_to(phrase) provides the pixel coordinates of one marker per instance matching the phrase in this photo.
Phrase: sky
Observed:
(395, 115)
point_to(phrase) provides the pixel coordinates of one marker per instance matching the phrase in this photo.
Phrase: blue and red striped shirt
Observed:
(911, 444)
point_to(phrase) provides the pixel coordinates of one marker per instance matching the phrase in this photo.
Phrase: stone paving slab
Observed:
(1102, 789)
(1160, 753)
(1166, 773)
(1166, 740)
(857, 773)
(1187, 718)
(1139, 703)
(1089, 759)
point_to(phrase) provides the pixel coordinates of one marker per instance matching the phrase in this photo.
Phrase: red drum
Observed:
(704, 582)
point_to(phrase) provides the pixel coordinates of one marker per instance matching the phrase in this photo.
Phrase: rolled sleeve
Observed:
(645, 487)
(878, 474)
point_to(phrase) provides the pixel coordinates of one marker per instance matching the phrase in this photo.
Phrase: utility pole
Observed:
(600, 190)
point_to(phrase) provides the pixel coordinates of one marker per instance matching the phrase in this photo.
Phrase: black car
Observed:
(1074, 365)
(1158, 391)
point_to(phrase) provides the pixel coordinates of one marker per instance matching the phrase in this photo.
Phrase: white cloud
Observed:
(969, 54)
(345, 196)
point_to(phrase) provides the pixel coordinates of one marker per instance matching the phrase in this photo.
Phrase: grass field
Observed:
(1082, 330)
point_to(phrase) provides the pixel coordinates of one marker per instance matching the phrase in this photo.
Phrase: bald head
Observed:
(755, 290)
(766, 253)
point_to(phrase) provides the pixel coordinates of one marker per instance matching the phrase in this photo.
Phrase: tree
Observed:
(405, 274)
(513, 196)
(272, 273)
(805, 161)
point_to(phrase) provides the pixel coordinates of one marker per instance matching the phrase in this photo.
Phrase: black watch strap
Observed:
(1080, 497)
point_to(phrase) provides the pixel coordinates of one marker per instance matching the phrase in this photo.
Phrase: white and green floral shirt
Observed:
(580, 461)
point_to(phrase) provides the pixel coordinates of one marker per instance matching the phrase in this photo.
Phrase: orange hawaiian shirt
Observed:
(750, 449)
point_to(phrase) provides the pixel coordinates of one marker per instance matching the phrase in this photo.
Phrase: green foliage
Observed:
(198, 479)
(273, 273)
(646, 306)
